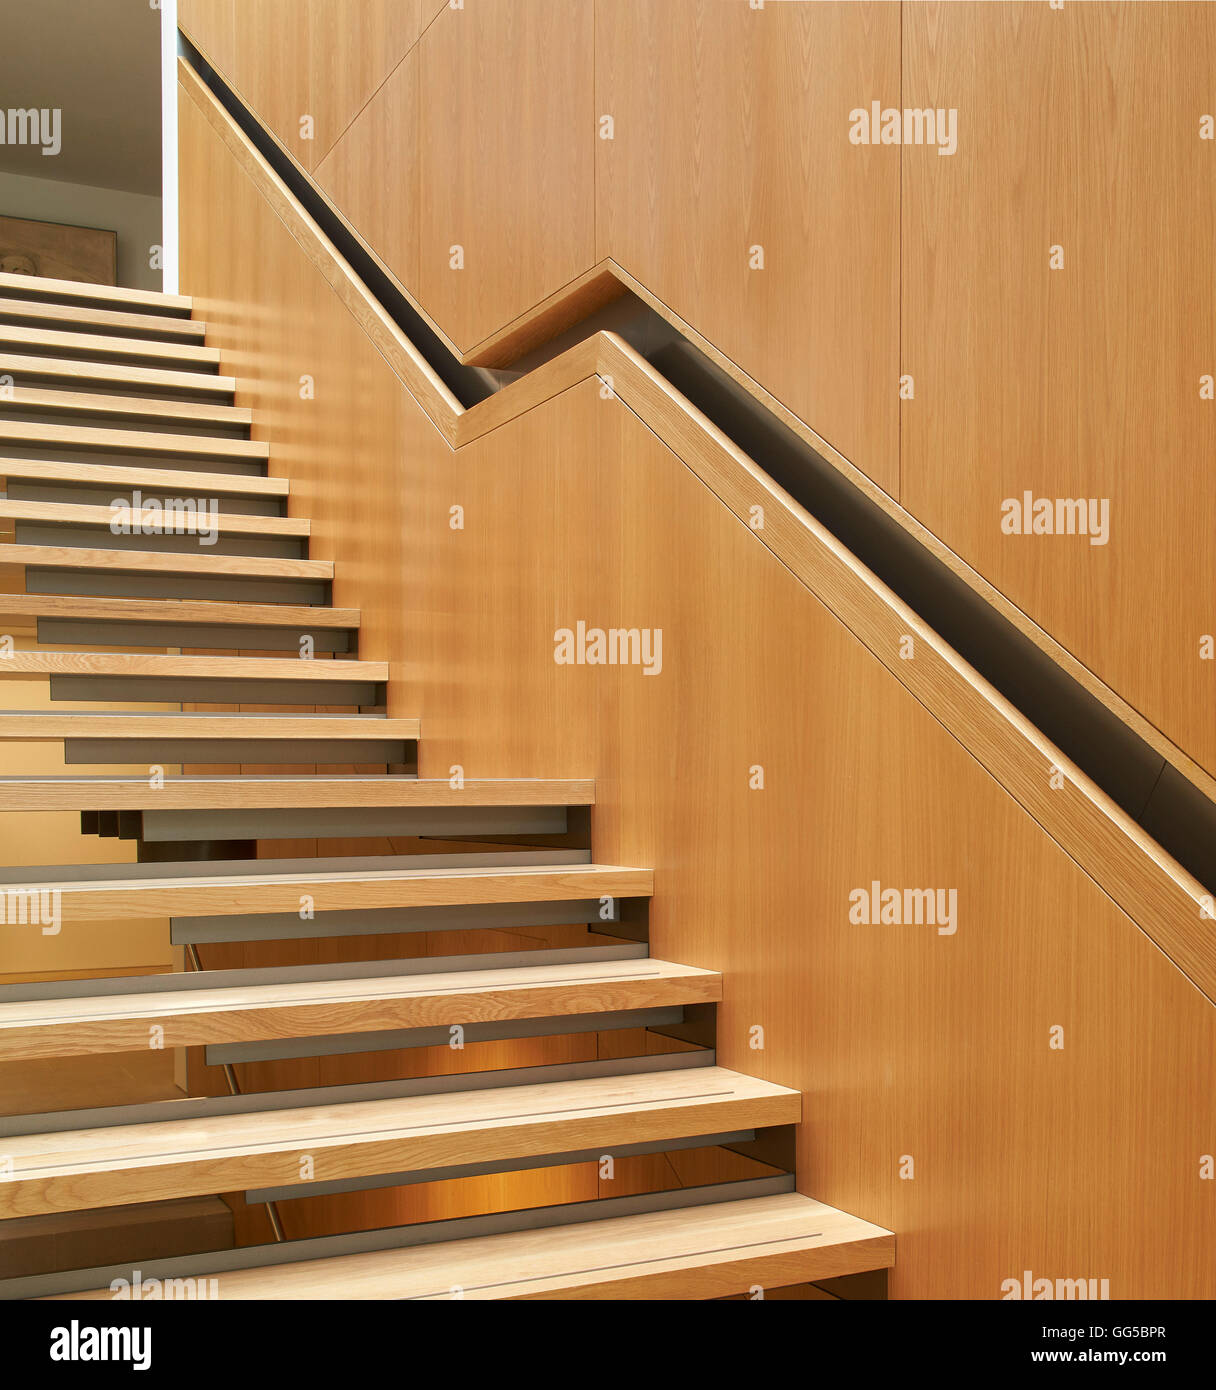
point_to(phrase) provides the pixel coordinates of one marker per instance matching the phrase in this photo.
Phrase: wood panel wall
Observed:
(935, 1101)
(1077, 127)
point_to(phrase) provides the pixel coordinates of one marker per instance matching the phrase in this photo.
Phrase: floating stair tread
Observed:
(180, 1158)
(84, 724)
(226, 895)
(174, 480)
(82, 514)
(699, 1252)
(14, 432)
(73, 371)
(103, 345)
(138, 407)
(72, 557)
(118, 793)
(120, 1023)
(46, 287)
(185, 611)
(290, 668)
(92, 318)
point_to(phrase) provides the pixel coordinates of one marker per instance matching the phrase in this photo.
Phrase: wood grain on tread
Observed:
(41, 287)
(168, 610)
(81, 514)
(163, 562)
(80, 1026)
(290, 668)
(254, 726)
(176, 480)
(113, 793)
(87, 317)
(688, 1253)
(75, 372)
(132, 441)
(138, 407)
(199, 895)
(70, 1170)
(145, 349)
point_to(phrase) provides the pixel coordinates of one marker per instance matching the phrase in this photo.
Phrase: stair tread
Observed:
(337, 889)
(112, 792)
(91, 316)
(83, 514)
(139, 407)
(131, 441)
(66, 1027)
(691, 1252)
(86, 724)
(184, 1157)
(163, 562)
(178, 480)
(46, 285)
(147, 349)
(76, 372)
(21, 663)
(167, 610)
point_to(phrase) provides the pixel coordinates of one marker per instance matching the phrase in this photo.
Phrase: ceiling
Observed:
(99, 62)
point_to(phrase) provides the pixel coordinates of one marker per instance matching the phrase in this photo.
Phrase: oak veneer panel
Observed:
(124, 1023)
(70, 1170)
(371, 174)
(511, 178)
(1081, 382)
(355, 45)
(692, 1253)
(731, 131)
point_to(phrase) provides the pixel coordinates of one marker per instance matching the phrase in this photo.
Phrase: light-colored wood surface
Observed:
(219, 895)
(264, 792)
(81, 514)
(66, 1171)
(731, 133)
(88, 319)
(258, 726)
(32, 398)
(56, 663)
(175, 480)
(15, 432)
(1082, 382)
(166, 562)
(116, 296)
(45, 340)
(693, 1253)
(126, 1023)
(515, 187)
(169, 610)
(132, 376)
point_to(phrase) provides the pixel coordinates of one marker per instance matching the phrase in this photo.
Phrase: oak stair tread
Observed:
(169, 610)
(90, 317)
(700, 1252)
(131, 375)
(73, 1169)
(23, 663)
(177, 480)
(47, 287)
(115, 792)
(35, 724)
(342, 889)
(69, 557)
(14, 432)
(51, 399)
(102, 345)
(73, 1027)
(83, 514)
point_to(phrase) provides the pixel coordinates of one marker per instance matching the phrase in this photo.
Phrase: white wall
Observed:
(136, 218)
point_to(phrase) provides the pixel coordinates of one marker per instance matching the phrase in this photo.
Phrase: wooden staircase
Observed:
(335, 916)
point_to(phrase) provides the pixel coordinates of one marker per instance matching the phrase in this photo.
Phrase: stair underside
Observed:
(691, 1253)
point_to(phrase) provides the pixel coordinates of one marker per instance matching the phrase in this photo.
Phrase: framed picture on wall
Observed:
(57, 251)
